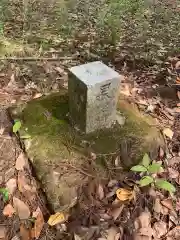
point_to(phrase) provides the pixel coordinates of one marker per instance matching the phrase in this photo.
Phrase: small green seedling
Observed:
(17, 125)
(152, 168)
(5, 194)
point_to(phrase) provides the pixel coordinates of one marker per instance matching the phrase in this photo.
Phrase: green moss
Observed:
(46, 120)
(54, 141)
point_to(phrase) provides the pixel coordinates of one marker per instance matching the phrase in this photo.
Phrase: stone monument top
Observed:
(94, 73)
(93, 93)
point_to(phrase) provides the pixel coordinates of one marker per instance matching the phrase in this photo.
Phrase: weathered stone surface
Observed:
(93, 92)
(58, 152)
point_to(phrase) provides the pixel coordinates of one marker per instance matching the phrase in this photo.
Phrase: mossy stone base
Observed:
(59, 154)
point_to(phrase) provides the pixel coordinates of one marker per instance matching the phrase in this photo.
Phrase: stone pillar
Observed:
(93, 93)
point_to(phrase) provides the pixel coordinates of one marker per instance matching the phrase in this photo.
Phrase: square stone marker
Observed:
(93, 93)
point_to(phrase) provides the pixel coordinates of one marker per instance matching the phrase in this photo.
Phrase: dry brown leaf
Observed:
(2, 130)
(93, 156)
(24, 233)
(21, 162)
(116, 212)
(146, 231)
(57, 218)
(141, 237)
(24, 184)
(178, 94)
(124, 194)
(178, 204)
(173, 160)
(112, 183)
(160, 229)
(112, 232)
(11, 185)
(37, 95)
(21, 208)
(59, 70)
(159, 208)
(144, 220)
(174, 233)
(100, 192)
(143, 102)
(3, 232)
(9, 210)
(168, 133)
(167, 203)
(39, 223)
(125, 89)
(173, 174)
(77, 237)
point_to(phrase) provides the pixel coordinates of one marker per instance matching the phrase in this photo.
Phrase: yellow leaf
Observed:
(124, 194)
(168, 132)
(56, 218)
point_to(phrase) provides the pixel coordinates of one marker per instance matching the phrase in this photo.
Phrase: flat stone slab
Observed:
(60, 155)
(93, 93)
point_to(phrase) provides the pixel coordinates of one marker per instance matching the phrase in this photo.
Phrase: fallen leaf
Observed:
(168, 133)
(178, 94)
(125, 89)
(59, 70)
(100, 192)
(57, 218)
(3, 231)
(124, 194)
(21, 208)
(150, 108)
(93, 156)
(112, 183)
(9, 210)
(112, 232)
(173, 174)
(37, 95)
(2, 130)
(167, 203)
(141, 237)
(178, 204)
(144, 219)
(160, 229)
(24, 233)
(174, 233)
(159, 208)
(39, 223)
(116, 212)
(77, 237)
(24, 183)
(21, 162)
(172, 161)
(11, 185)
(147, 231)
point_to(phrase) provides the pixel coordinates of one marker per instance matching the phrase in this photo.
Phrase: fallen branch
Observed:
(36, 58)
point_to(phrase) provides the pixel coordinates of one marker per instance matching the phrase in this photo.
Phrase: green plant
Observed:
(150, 168)
(17, 125)
(5, 194)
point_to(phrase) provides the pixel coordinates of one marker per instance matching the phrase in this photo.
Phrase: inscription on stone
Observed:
(93, 92)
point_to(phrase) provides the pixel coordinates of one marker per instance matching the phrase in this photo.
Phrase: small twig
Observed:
(36, 58)
(2, 143)
(79, 170)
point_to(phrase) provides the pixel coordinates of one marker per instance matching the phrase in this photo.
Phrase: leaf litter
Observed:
(101, 203)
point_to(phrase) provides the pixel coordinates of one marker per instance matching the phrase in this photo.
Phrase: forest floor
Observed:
(31, 69)
(152, 213)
